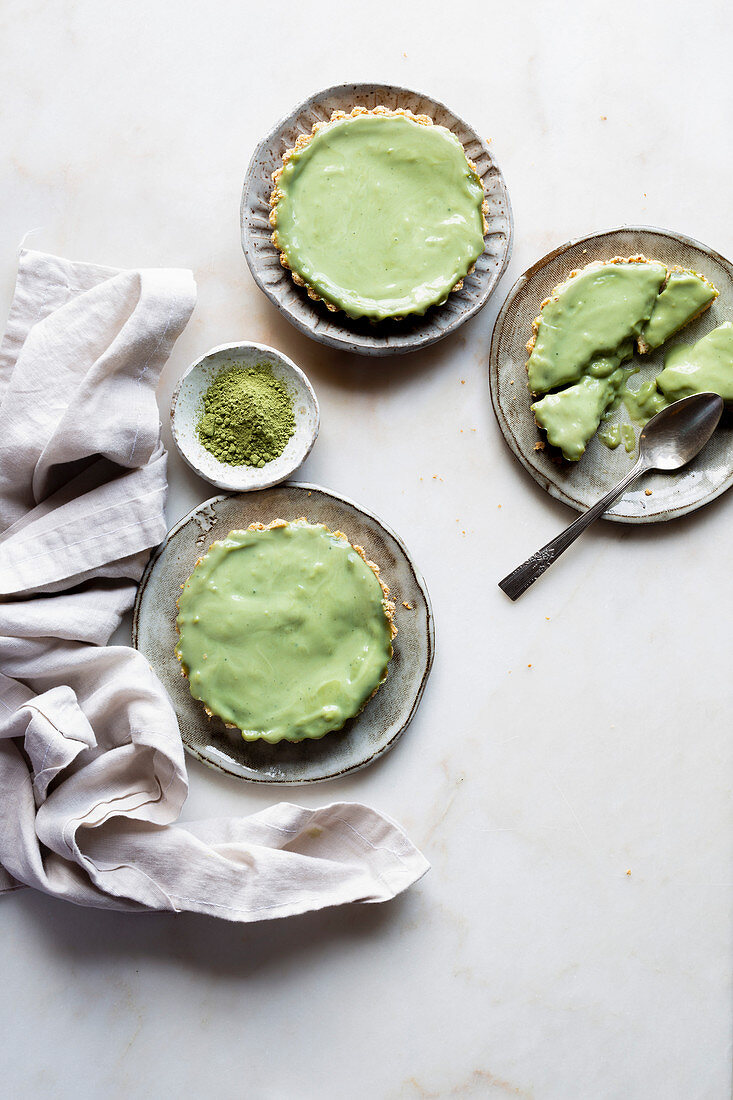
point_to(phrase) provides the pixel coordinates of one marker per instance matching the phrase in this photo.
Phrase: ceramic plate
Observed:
(384, 718)
(336, 329)
(580, 484)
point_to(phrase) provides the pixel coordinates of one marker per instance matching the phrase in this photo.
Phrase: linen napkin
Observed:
(92, 773)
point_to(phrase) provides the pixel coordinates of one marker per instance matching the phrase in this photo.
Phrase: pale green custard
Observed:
(380, 215)
(594, 314)
(283, 632)
(685, 295)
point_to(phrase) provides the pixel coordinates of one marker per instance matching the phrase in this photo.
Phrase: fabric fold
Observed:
(92, 770)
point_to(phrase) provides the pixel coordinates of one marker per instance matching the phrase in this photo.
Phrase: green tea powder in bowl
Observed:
(247, 416)
(244, 417)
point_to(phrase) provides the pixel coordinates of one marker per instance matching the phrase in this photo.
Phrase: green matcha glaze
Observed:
(644, 403)
(610, 436)
(685, 295)
(592, 315)
(380, 215)
(283, 632)
(628, 436)
(707, 365)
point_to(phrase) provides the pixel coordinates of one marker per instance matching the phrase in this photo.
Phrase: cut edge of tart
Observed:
(388, 607)
(304, 140)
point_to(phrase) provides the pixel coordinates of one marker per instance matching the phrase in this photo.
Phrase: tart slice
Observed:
(571, 417)
(378, 213)
(595, 312)
(686, 295)
(285, 631)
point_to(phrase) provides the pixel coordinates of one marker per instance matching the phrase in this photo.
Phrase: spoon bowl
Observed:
(675, 435)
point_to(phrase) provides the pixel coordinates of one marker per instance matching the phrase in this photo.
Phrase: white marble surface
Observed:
(563, 742)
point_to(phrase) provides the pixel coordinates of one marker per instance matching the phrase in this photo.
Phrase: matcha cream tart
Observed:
(378, 213)
(284, 631)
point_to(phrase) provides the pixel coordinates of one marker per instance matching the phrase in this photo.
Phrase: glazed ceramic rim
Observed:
(342, 335)
(222, 483)
(430, 636)
(515, 444)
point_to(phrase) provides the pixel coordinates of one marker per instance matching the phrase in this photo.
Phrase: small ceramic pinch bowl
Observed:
(186, 407)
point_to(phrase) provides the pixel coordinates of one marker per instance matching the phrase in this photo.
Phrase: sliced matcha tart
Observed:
(584, 339)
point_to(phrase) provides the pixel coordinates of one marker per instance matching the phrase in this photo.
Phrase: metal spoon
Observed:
(669, 441)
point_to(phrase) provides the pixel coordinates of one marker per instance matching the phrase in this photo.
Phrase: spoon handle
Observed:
(519, 580)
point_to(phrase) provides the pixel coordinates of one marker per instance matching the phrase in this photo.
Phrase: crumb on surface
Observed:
(628, 872)
(463, 381)
(547, 617)
(539, 445)
(407, 604)
(529, 666)
(604, 118)
(647, 492)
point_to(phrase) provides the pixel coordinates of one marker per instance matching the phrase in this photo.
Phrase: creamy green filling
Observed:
(380, 215)
(594, 314)
(685, 295)
(283, 632)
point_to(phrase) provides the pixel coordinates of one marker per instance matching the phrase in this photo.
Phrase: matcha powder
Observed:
(247, 417)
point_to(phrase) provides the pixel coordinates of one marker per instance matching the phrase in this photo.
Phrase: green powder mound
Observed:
(247, 416)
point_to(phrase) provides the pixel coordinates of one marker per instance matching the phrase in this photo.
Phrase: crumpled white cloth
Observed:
(92, 773)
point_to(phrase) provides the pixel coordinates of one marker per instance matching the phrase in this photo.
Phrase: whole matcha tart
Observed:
(378, 213)
(284, 630)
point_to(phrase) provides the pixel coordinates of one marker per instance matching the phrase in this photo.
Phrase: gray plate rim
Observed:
(346, 339)
(514, 444)
(339, 498)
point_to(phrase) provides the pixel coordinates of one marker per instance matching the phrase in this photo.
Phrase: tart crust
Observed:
(387, 604)
(302, 142)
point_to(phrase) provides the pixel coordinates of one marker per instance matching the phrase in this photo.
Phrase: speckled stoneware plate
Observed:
(336, 329)
(580, 484)
(385, 717)
(186, 407)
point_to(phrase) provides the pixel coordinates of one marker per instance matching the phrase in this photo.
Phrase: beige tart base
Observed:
(584, 339)
(285, 630)
(382, 229)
